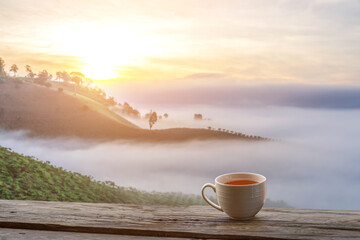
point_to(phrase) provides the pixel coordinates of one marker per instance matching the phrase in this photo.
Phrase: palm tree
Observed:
(14, 69)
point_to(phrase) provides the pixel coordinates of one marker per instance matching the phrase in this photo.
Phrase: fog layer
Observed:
(222, 91)
(315, 165)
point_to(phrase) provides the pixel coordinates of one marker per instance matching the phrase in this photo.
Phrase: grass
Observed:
(26, 178)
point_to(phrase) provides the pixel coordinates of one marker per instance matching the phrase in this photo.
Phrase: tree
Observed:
(58, 76)
(111, 101)
(152, 118)
(43, 77)
(77, 78)
(88, 82)
(2, 68)
(128, 110)
(166, 115)
(209, 128)
(65, 76)
(29, 71)
(14, 69)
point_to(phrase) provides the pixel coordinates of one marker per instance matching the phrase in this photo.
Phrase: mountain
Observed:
(46, 112)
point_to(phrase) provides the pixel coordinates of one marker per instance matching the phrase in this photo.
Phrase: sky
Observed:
(262, 41)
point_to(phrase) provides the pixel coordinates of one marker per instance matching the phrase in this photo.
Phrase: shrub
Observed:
(60, 89)
(47, 84)
(25, 178)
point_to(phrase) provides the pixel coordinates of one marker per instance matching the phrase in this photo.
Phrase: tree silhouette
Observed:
(43, 77)
(2, 68)
(30, 73)
(128, 110)
(14, 69)
(152, 119)
(65, 76)
(58, 76)
(77, 78)
(111, 101)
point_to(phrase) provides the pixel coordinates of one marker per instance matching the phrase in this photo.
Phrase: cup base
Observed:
(242, 218)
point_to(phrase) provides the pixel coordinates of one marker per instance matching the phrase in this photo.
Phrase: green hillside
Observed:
(25, 178)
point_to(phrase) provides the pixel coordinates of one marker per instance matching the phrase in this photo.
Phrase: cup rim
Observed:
(228, 185)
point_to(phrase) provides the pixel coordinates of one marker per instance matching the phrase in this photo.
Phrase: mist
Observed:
(315, 163)
(225, 91)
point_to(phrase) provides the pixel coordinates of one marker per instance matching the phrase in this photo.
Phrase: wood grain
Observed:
(185, 222)
(21, 234)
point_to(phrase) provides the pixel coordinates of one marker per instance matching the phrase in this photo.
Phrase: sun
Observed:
(105, 57)
(101, 66)
(99, 71)
(104, 50)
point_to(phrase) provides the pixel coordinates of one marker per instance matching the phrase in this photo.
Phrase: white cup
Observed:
(238, 201)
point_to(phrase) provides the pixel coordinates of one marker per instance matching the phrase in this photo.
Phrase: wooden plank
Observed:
(21, 234)
(187, 222)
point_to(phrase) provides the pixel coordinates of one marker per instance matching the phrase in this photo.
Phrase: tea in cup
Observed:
(240, 195)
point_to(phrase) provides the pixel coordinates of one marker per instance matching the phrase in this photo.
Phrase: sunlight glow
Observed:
(105, 50)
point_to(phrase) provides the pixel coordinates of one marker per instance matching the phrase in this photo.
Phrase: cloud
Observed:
(307, 41)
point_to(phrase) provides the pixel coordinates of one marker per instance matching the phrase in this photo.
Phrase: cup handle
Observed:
(207, 199)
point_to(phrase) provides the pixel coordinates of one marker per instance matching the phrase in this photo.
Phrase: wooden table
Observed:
(62, 220)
